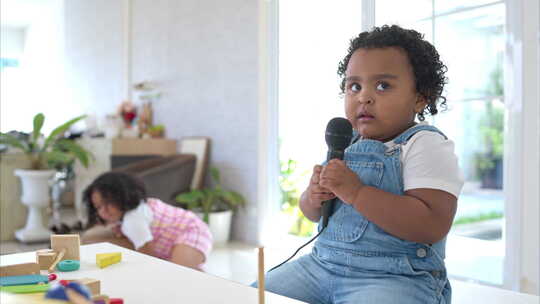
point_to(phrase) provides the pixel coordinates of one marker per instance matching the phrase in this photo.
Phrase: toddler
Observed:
(148, 225)
(396, 189)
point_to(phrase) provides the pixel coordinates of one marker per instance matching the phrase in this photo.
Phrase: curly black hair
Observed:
(427, 67)
(120, 189)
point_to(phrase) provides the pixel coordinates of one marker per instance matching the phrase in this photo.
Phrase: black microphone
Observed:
(338, 137)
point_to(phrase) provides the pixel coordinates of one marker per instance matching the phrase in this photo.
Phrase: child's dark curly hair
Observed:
(427, 67)
(120, 189)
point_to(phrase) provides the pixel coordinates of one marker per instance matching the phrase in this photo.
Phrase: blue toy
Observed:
(23, 280)
(58, 291)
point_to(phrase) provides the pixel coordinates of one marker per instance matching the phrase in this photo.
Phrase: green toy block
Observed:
(25, 288)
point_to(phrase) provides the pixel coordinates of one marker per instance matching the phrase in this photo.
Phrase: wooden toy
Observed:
(116, 301)
(19, 269)
(77, 298)
(26, 288)
(105, 259)
(59, 292)
(100, 299)
(52, 277)
(45, 258)
(59, 257)
(26, 298)
(23, 280)
(69, 265)
(261, 275)
(70, 242)
(92, 284)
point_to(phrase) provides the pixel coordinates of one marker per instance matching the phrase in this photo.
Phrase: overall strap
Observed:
(404, 137)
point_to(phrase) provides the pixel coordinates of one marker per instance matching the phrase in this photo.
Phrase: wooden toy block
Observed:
(25, 288)
(45, 258)
(27, 298)
(19, 269)
(23, 280)
(93, 285)
(100, 298)
(59, 258)
(105, 259)
(70, 242)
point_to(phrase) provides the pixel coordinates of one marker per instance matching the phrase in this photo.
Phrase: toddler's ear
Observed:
(421, 103)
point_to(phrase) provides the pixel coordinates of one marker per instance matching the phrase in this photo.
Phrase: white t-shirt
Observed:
(429, 161)
(136, 225)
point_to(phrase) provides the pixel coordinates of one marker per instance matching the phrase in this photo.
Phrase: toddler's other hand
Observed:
(341, 180)
(316, 193)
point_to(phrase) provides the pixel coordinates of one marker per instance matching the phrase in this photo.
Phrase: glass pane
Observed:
(471, 44)
(310, 49)
(479, 218)
(446, 6)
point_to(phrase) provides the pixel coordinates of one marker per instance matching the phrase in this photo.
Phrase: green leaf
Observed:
(192, 197)
(39, 119)
(214, 172)
(14, 142)
(60, 130)
(58, 157)
(79, 152)
(233, 198)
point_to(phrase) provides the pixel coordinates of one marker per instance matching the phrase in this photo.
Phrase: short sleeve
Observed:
(136, 225)
(429, 161)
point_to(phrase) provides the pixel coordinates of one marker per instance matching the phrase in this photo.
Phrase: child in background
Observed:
(396, 188)
(146, 224)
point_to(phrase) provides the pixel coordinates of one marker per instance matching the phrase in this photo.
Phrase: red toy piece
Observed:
(63, 282)
(52, 277)
(116, 301)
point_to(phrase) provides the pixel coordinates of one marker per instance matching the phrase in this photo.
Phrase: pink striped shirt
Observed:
(174, 225)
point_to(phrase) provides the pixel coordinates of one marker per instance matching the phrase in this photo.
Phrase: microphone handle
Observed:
(328, 206)
(326, 211)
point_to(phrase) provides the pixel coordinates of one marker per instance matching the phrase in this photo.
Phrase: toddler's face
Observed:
(110, 213)
(380, 93)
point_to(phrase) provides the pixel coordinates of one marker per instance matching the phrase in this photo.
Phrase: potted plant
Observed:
(44, 155)
(215, 206)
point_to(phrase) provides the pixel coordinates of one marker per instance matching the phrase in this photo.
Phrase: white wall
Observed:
(203, 55)
(93, 54)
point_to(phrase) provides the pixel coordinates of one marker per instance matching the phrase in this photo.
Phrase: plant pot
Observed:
(220, 226)
(35, 195)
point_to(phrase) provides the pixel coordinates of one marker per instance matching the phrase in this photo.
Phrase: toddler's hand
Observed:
(117, 230)
(341, 180)
(316, 193)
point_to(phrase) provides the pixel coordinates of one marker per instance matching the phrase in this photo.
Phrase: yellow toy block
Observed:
(105, 259)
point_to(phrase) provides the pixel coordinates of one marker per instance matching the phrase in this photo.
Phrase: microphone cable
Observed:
(297, 250)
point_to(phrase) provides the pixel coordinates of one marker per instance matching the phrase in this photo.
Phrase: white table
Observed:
(139, 278)
(143, 279)
(464, 292)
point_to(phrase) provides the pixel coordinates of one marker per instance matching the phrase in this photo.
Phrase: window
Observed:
(311, 44)
(474, 121)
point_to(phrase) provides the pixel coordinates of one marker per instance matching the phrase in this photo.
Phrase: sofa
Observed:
(164, 176)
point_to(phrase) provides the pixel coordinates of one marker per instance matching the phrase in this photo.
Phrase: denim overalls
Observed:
(355, 261)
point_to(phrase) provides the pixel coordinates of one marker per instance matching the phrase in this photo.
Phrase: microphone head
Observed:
(338, 133)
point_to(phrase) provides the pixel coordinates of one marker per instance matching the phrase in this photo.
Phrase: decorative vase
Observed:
(220, 226)
(35, 195)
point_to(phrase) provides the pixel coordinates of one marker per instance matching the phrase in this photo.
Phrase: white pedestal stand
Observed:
(35, 195)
